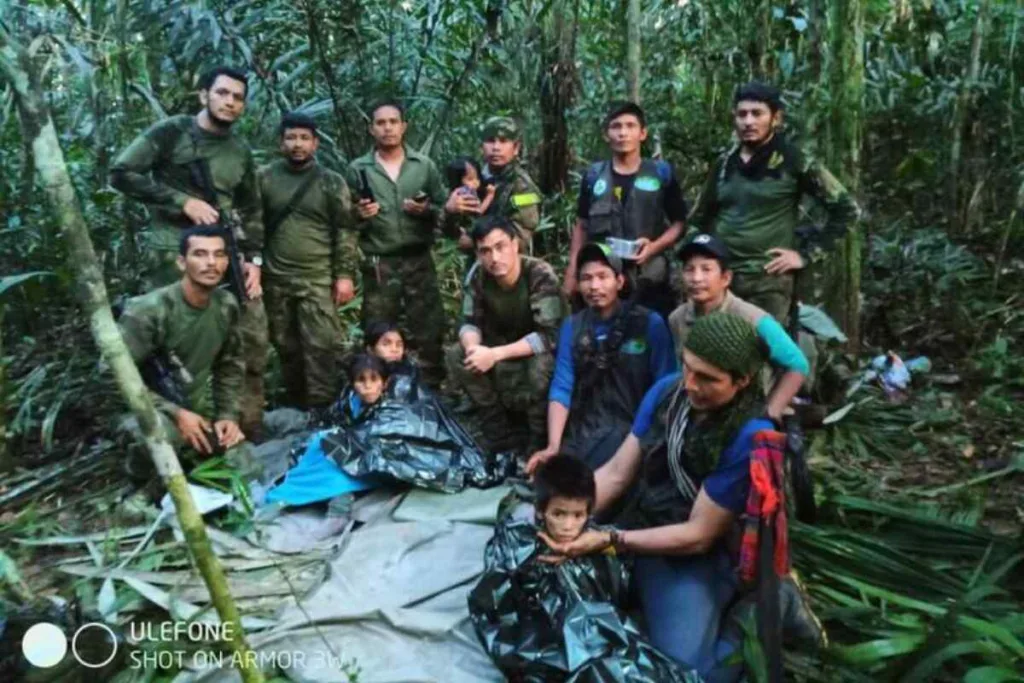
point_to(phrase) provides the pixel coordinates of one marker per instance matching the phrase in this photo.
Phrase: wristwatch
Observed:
(257, 261)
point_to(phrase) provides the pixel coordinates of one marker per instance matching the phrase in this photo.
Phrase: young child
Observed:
(565, 491)
(465, 174)
(368, 377)
(384, 340)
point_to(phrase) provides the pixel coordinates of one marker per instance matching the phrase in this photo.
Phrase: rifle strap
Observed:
(300, 193)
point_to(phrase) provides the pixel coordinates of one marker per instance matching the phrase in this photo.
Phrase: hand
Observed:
(480, 359)
(488, 198)
(367, 209)
(569, 281)
(193, 429)
(344, 291)
(646, 251)
(416, 208)
(589, 542)
(253, 275)
(466, 242)
(785, 261)
(199, 212)
(462, 204)
(539, 458)
(228, 432)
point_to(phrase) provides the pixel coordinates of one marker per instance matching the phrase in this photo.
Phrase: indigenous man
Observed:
(609, 355)
(192, 329)
(752, 197)
(631, 198)
(516, 196)
(511, 312)
(164, 169)
(691, 482)
(399, 196)
(309, 270)
(706, 276)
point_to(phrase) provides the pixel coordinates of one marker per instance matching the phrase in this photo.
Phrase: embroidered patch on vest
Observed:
(648, 183)
(599, 187)
(634, 347)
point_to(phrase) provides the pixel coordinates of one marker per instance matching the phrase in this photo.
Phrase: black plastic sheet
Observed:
(413, 438)
(541, 622)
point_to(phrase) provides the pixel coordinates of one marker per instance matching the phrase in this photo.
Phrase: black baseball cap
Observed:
(595, 251)
(706, 245)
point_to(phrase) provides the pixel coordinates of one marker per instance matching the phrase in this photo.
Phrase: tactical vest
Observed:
(642, 215)
(612, 375)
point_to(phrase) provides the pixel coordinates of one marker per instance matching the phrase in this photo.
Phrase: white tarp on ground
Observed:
(393, 601)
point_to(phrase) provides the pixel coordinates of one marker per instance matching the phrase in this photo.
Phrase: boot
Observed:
(799, 622)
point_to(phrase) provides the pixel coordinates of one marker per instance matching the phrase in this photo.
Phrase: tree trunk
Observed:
(6, 464)
(846, 22)
(557, 90)
(963, 102)
(634, 16)
(16, 66)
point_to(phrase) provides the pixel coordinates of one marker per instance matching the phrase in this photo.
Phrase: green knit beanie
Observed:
(728, 342)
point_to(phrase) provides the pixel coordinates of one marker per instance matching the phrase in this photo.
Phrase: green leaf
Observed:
(992, 674)
(11, 281)
(877, 650)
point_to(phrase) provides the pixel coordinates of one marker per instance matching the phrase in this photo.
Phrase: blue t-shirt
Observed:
(663, 356)
(729, 484)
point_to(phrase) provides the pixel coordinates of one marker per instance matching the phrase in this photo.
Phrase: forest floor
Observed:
(952, 451)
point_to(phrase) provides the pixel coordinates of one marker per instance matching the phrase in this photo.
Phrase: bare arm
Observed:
(615, 476)
(783, 392)
(708, 522)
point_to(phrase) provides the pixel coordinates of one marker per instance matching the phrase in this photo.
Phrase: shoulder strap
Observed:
(275, 221)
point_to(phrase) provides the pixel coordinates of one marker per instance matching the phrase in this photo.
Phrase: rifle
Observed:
(163, 372)
(199, 170)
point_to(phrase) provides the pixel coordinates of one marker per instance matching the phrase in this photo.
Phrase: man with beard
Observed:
(515, 194)
(504, 358)
(631, 198)
(609, 355)
(159, 169)
(310, 265)
(399, 198)
(192, 327)
(751, 201)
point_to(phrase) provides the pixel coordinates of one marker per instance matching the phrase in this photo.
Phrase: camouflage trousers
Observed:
(306, 331)
(139, 465)
(774, 294)
(403, 289)
(162, 269)
(517, 386)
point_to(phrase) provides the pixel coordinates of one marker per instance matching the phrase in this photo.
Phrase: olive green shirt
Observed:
(393, 230)
(533, 309)
(314, 243)
(754, 215)
(207, 341)
(154, 169)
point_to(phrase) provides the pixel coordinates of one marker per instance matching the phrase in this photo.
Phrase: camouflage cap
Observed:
(501, 127)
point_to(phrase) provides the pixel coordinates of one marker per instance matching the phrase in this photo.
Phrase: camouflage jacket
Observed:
(155, 170)
(753, 212)
(537, 300)
(206, 341)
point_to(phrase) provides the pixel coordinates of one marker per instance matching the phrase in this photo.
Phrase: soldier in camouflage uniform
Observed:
(310, 264)
(192, 327)
(158, 169)
(516, 196)
(752, 198)
(511, 313)
(399, 196)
